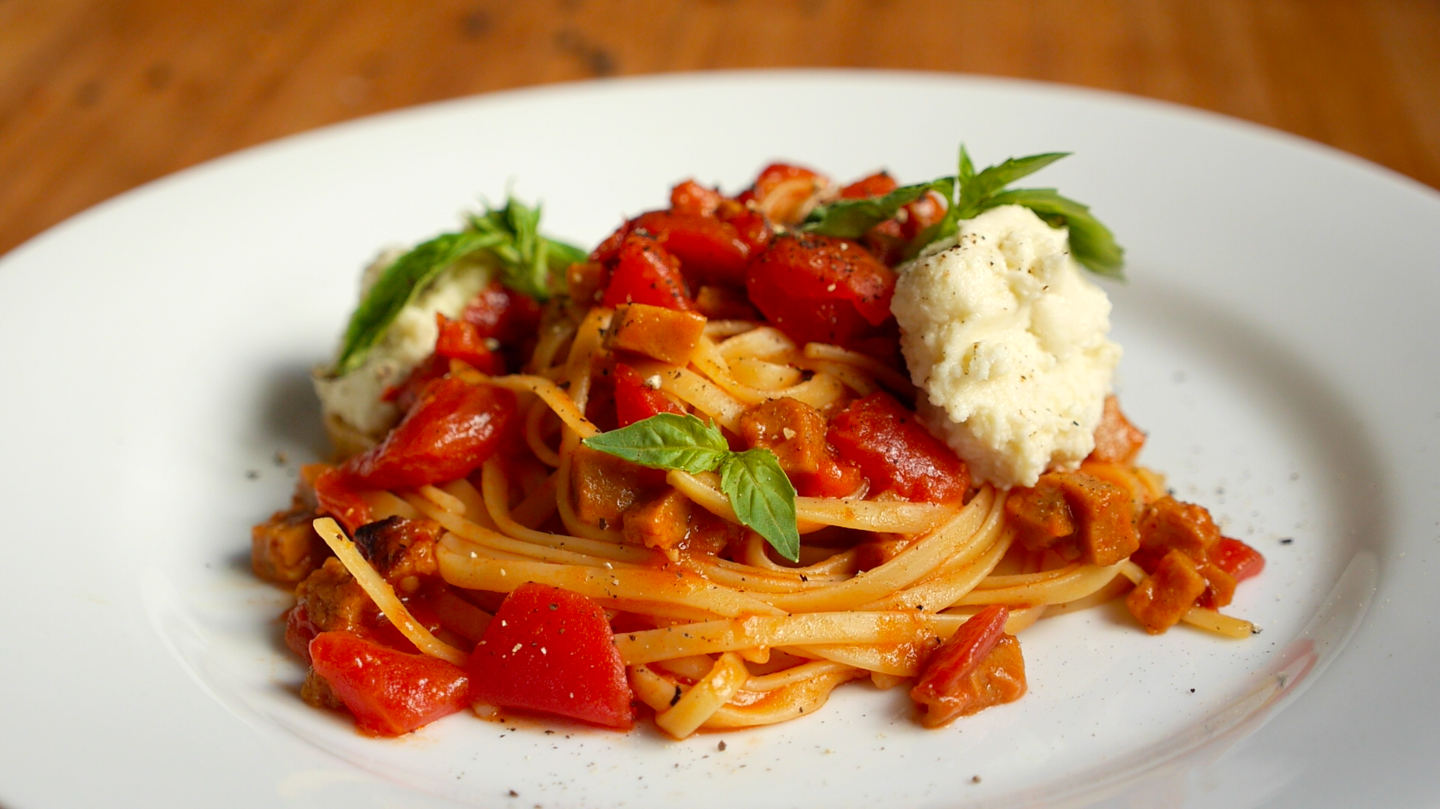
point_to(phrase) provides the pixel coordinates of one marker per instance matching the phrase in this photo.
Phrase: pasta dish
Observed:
(710, 470)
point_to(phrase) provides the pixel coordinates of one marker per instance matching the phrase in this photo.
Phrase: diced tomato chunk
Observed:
(636, 401)
(340, 498)
(693, 198)
(389, 692)
(821, 289)
(461, 340)
(1236, 558)
(646, 272)
(896, 453)
(502, 313)
(709, 250)
(453, 428)
(551, 650)
(774, 175)
(751, 226)
(978, 667)
(876, 185)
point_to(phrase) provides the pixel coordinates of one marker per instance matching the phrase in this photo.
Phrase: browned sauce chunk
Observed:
(791, 429)
(605, 486)
(285, 548)
(1078, 516)
(668, 335)
(672, 524)
(397, 547)
(1162, 598)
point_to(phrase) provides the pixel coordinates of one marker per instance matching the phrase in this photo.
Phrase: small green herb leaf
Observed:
(666, 441)
(759, 491)
(397, 285)
(977, 191)
(763, 498)
(1091, 243)
(851, 218)
(529, 263)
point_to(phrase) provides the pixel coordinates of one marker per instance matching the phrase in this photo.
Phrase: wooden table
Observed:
(99, 96)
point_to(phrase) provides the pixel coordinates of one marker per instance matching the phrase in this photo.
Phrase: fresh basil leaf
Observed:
(1091, 243)
(763, 498)
(397, 286)
(666, 441)
(530, 263)
(851, 218)
(980, 188)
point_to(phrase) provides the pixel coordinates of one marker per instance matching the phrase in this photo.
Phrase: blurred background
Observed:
(99, 96)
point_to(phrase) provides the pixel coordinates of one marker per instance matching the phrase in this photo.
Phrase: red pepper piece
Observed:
(390, 693)
(1236, 558)
(896, 453)
(551, 650)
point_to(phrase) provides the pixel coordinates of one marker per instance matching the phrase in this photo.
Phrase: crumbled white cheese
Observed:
(1007, 341)
(354, 398)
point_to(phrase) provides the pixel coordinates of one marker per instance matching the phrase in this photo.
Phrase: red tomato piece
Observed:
(710, 251)
(1236, 558)
(551, 650)
(461, 340)
(502, 313)
(876, 185)
(646, 272)
(299, 631)
(340, 499)
(959, 655)
(773, 177)
(896, 453)
(607, 251)
(751, 226)
(635, 401)
(452, 429)
(693, 198)
(978, 668)
(390, 693)
(820, 288)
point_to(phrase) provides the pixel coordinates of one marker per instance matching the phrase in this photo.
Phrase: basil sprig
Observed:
(969, 193)
(761, 495)
(508, 237)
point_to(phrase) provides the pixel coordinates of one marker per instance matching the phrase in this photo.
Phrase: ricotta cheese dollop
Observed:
(353, 404)
(1007, 342)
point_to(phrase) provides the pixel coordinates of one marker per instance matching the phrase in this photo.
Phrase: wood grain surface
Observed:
(97, 97)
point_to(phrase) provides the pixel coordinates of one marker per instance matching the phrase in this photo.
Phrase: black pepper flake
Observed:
(675, 697)
(514, 794)
(1287, 540)
(554, 606)
(720, 746)
(974, 779)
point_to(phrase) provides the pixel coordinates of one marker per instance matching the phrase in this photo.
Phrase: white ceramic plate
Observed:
(1280, 348)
